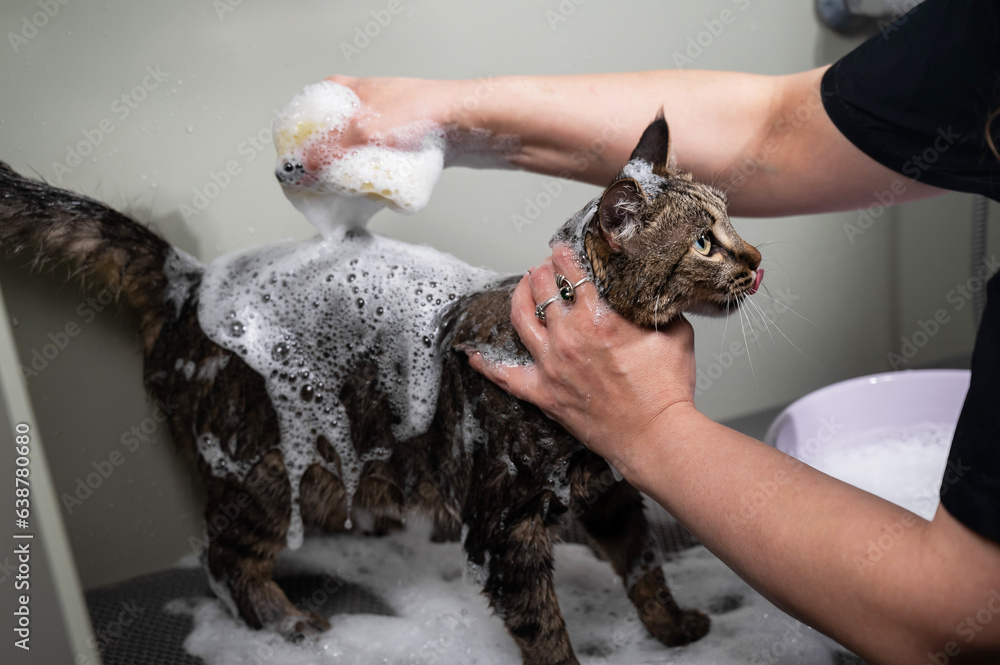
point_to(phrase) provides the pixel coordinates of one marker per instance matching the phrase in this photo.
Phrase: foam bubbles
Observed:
(320, 178)
(306, 315)
(904, 465)
(441, 616)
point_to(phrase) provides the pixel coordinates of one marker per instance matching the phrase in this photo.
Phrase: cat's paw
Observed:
(691, 627)
(303, 627)
(695, 625)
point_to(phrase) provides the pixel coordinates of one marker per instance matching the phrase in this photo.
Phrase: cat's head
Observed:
(660, 243)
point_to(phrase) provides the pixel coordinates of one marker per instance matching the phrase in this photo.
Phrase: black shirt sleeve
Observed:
(917, 98)
(970, 489)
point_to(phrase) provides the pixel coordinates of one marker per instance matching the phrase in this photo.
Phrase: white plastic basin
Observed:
(887, 433)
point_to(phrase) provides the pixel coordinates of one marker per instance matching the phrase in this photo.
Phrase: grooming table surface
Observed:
(155, 636)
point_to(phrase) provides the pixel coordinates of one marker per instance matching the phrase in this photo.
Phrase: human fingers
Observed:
(545, 291)
(529, 328)
(566, 262)
(521, 381)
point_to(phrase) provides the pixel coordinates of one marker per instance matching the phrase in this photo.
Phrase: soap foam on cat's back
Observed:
(305, 315)
(318, 175)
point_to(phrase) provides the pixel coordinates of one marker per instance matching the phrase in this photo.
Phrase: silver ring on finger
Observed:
(567, 290)
(540, 308)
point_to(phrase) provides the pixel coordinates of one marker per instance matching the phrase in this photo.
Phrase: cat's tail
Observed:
(101, 247)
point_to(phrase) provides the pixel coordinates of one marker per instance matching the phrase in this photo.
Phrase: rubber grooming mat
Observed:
(132, 628)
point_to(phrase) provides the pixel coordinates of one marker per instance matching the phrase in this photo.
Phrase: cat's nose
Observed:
(752, 257)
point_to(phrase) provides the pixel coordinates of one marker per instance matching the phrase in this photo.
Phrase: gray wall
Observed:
(221, 73)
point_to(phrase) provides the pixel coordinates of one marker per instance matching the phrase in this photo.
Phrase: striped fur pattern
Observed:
(510, 485)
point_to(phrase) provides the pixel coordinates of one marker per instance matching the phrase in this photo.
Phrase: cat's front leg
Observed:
(248, 523)
(617, 524)
(517, 559)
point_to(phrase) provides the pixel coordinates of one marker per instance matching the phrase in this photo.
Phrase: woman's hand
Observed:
(604, 379)
(391, 104)
(400, 112)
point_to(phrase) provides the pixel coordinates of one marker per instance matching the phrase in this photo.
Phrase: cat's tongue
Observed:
(757, 281)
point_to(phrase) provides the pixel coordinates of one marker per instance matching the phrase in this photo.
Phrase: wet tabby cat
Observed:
(490, 468)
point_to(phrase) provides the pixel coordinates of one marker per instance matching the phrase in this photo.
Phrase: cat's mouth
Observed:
(758, 278)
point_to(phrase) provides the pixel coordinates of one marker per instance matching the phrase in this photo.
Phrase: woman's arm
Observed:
(803, 539)
(764, 139)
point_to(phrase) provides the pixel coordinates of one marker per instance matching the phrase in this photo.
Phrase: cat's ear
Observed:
(620, 212)
(654, 146)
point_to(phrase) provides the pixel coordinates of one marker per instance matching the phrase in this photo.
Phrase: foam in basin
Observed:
(904, 465)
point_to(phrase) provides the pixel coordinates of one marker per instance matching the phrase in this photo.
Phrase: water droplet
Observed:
(427, 341)
(361, 303)
(236, 329)
(267, 297)
(307, 393)
(379, 311)
(351, 277)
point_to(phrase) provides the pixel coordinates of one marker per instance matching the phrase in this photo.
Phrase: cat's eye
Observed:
(703, 245)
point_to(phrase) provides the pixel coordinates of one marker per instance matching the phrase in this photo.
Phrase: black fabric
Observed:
(916, 98)
(971, 486)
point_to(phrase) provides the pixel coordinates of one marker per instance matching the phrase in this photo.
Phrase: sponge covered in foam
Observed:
(321, 177)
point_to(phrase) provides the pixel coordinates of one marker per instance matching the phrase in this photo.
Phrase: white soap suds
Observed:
(304, 315)
(318, 174)
(904, 465)
(642, 172)
(444, 619)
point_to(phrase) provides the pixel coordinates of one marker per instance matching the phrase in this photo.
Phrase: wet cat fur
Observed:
(636, 238)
